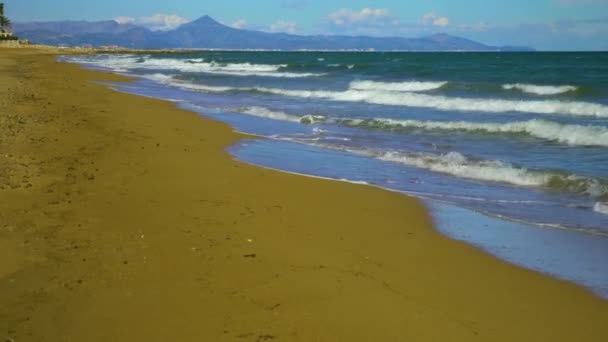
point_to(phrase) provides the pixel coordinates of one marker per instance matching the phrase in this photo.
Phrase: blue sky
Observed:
(543, 24)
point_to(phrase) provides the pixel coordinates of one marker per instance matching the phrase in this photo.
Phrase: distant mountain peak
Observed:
(207, 20)
(207, 17)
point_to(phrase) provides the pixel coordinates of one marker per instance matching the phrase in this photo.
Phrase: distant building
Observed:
(110, 47)
(5, 34)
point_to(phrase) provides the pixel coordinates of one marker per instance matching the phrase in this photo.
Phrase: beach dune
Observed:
(122, 218)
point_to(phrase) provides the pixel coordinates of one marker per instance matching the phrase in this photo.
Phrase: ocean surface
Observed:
(508, 150)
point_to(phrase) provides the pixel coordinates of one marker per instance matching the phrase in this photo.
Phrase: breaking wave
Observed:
(171, 81)
(571, 134)
(413, 99)
(445, 103)
(267, 113)
(540, 89)
(128, 62)
(412, 86)
(277, 115)
(601, 208)
(542, 129)
(456, 164)
(234, 69)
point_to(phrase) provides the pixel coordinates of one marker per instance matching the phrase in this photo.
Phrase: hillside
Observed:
(206, 32)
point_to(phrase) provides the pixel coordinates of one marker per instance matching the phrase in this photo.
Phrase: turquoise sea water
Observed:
(519, 138)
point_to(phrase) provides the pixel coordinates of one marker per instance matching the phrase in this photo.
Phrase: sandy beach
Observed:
(122, 218)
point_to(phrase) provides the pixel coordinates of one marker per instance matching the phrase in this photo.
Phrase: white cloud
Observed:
(162, 21)
(427, 17)
(239, 24)
(559, 35)
(124, 20)
(441, 21)
(157, 22)
(283, 26)
(367, 21)
(431, 18)
(346, 16)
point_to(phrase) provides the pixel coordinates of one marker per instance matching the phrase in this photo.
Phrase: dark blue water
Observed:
(519, 137)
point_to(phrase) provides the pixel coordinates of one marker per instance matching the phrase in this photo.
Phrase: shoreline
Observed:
(585, 269)
(152, 231)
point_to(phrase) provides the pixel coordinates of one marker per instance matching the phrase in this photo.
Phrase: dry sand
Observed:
(122, 219)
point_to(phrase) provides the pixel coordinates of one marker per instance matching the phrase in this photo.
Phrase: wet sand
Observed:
(123, 219)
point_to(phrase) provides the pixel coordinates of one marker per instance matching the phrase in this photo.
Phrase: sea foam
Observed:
(411, 86)
(234, 69)
(601, 208)
(198, 65)
(438, 102)
(541, 129)
(540, 89)
(171, 81)
(278, 115)
(459, 165)
(268, 114)
(444, 103)
(576, 135)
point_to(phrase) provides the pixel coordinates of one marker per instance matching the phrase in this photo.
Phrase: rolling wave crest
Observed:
(542, 129)
(456, 164)
(412, 86)
(445, 103)
(414, 99)
(540, 89)
(129, 62)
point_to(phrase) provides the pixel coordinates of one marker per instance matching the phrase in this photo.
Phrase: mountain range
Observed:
(206, 32)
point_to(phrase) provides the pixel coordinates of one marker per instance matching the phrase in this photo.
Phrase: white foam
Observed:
(456, 164)
(278, 115)
(234, 69)
(576, 135)
(171, 81)
(398, 86)
(542, 129)
(601, 208)
(131, 62)
(269, 114)
(117, 62)
(383, 97)
(540, 89)
(450, 103)
(158, 77)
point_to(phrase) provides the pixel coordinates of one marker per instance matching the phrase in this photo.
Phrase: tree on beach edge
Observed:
(5, 23)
